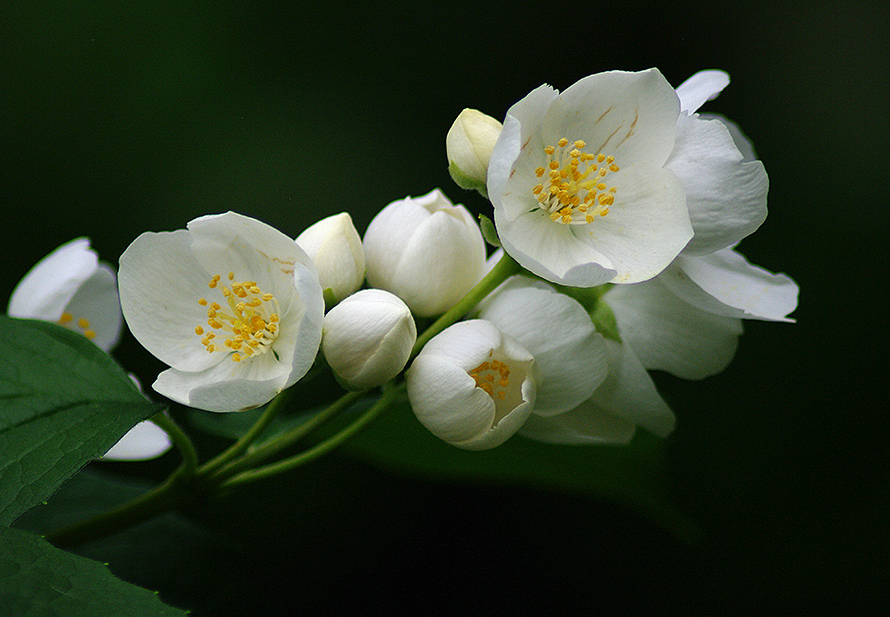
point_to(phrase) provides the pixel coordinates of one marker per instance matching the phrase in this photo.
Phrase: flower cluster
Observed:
(618, 205)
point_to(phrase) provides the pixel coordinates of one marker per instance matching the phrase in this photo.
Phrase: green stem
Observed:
(260, 473)
(164, 497)
(286, 439)
(241, 446)
(504, 269)
(181, 441)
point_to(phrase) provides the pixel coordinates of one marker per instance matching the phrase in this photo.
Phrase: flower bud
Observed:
(472, 385)
(469, 143)
(425, 250)
(367, 338)
(336, 249)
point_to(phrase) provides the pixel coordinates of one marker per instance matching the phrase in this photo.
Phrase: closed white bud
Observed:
(426, 250)
(469, 143)
(472, 386)
(336, 249)
(367, 338)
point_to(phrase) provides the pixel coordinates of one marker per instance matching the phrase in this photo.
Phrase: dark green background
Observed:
(117, 118)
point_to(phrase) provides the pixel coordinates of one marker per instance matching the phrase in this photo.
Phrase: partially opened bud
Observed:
(469, 143)
(336, 249)
(472, 385)
(426, 250)
(367, 338)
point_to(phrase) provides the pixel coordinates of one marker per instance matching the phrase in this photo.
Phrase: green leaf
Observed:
(64, 403)
(632, 475)
(38, 579)
(489, 231)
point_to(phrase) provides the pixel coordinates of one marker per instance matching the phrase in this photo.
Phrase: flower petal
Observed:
(98, 302)
(160, 284)
(143, 442)
(534, 240)
(671, 335)
(645, 229)
(584, 425)
(47, 288)
(701, 87)
(725, 195)
(227, 386)
(632, 116)
(725, 283)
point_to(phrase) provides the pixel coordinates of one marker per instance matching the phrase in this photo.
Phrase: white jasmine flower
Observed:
(231, 304)
(426, 251)
(607, 181)
(472, 386)
(368, 337)
(469, 143)
(336, 250)
(71, 287)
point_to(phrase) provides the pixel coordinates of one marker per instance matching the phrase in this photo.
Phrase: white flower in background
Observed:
(608, 181)
(231, 304)
(426, 251)
(71, 287)
(626, 399)
(367, 338)
(469, 143)
(472, 386)
(336, 250)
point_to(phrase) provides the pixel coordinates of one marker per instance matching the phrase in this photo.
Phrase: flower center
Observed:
(574, 192)
(494, 377)
(250, 323)
(67, 320)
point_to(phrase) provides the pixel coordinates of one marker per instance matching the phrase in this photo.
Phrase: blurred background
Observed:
(120, 118)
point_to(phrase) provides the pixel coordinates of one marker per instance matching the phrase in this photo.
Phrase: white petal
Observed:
(740, 140)
(584, 425)
(399, 219)
(534, 240)
(300, 334)
(631, 116)
(701, 87)
(47, 288)
(569, 355)
(725, 283)
(442, 260)
(645, 229)
(97, 301)
(160, 284)
(725, 195)
(629, 393)
(143, 442)
(228, 386)
(336, 250)
(671, 335)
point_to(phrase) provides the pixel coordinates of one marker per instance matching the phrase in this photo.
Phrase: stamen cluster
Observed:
(251, 324)
(490, 376)
(84, 324)
(575, 192)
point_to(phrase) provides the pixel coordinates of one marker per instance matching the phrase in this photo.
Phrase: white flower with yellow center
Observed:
(71, 287)
(608, 181)
(233, 305)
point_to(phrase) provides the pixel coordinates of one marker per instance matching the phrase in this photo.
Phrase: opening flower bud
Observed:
(336, 249)
(426, 250)
(472, 385)
(469, 143)
(367, 338)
